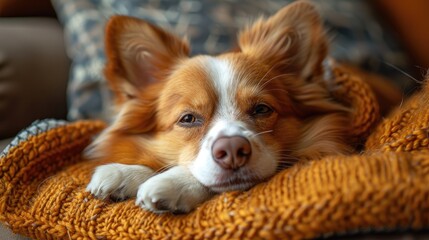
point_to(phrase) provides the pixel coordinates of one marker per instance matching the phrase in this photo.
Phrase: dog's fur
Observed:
(172, 108)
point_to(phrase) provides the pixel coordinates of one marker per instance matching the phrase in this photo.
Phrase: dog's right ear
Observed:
(292, 40)
(138, 54)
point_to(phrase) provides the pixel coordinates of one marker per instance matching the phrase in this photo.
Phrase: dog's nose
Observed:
(231, 152)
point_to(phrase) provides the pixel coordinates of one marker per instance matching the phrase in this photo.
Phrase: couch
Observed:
(34, 66)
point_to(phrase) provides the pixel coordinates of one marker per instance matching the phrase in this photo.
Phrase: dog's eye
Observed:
(189, 120)
(261, 109)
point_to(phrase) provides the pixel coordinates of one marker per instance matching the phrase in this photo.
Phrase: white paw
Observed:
(117, 181)
(175, 190)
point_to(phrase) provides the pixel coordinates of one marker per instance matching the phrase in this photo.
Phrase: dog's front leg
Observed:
(175, 190)
(118, 181)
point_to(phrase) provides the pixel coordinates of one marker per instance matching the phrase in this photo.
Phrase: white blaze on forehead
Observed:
(222, 75)
(226, 122)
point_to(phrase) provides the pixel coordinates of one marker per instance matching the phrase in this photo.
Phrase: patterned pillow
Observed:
(211, 26)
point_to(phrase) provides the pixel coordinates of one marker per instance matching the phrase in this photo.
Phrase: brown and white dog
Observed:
(202, 125)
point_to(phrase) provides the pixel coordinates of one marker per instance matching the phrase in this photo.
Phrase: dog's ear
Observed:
(292, 40)
(138, 54)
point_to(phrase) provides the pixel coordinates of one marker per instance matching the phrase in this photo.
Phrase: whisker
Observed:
(279, 89)
(260, 133)
(163, 168)
(281, 75)
(269, 70)
(283, 157)
(403, 72)
(402, 101)
(285, 164)
(288, 160)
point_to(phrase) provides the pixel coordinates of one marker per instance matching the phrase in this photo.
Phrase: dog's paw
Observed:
(117, 181)
(172, 191)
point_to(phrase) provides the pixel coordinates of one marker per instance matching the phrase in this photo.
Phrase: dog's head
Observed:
(232, 119)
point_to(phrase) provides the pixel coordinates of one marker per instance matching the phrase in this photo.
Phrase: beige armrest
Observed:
(33, 72)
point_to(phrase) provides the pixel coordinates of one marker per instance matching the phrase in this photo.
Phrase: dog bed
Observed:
(384, 188)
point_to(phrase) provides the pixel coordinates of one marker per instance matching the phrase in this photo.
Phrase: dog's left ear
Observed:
(139, 54)
(292, 40)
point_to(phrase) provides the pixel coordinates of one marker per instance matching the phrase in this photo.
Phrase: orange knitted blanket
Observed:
(43, 179)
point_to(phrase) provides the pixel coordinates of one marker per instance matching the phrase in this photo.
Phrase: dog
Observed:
(191, 127)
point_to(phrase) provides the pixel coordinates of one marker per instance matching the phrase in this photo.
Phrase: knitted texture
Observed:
(407, 129)
(43, 188)
(354, 92)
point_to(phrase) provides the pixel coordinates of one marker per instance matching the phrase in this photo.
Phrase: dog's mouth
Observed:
(234, 184)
